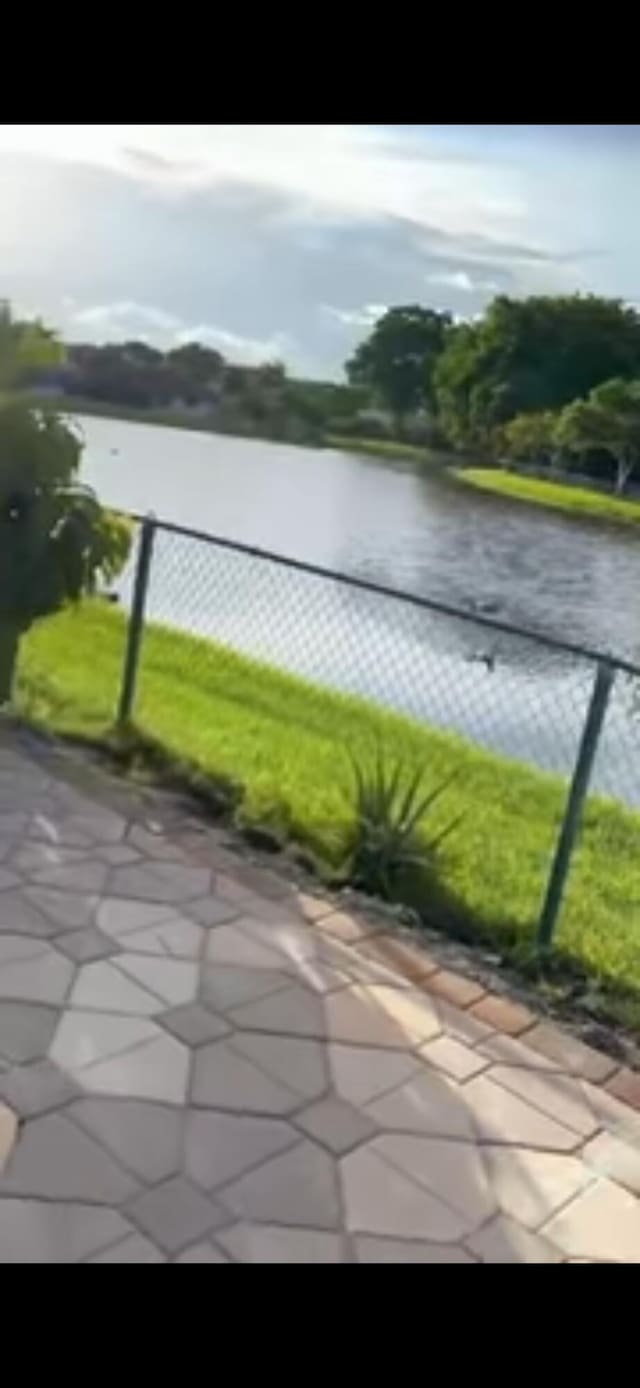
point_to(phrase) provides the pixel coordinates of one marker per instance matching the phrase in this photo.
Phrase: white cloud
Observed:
(249, 351)
(124, 319)
(462, 280)
(290, 241)
(129, 320)
(357, 170)
(363, 317)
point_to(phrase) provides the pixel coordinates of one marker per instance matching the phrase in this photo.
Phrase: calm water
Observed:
(384, 522)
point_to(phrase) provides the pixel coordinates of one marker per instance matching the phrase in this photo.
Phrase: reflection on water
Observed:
(419, 532)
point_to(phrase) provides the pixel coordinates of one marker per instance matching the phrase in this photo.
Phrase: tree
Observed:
(530, 437)
(396, 362)
(55, 538)
(607, 421)
(25, 346)
(530, 355)
(201, 366)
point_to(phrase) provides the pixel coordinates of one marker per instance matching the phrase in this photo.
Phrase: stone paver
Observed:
(297, 1187)
(504, 1241)
(453, 988)
(25, 1031)
(210, 1067)
(336, 1124)
(194, 1024)
(201, 1253)
(382, 1200)
(42, 976)
(165, 882)
(264, 1243)
(146, 1138)
(175, 1214)
(20, 916)
(64, 910)
(37, 1088)
(428, 1103)
(503, 1014)
(360, 1074)
(220, 1147)
(225, 1079)
(300, 1065)
(458, 1061)
(603, 1223)
(613, 1157)
(86, 946)
(43, 1231)
(454, 1171)
(8, 1133)
(294, 1011)
(531, 1186)
(625, 1085)
(373, 1250)
(501, 1116)
(56, 1161)
(133, 1249)
(176, 938)
(158, 1069)
(570, 1053)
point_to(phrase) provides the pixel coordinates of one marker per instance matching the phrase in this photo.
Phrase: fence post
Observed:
(135, 626)
(602, 685)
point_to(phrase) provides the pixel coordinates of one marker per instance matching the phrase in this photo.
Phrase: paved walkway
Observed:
(209, 1067)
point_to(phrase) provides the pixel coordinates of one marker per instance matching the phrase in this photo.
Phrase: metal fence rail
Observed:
(536, 700)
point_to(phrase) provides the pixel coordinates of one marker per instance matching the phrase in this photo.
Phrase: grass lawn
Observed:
(560, 496)
(382, 448)
(284, 741)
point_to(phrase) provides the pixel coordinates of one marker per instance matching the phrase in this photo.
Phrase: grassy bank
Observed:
(382, 448)
(284, 741)
(208, 424)
(560, 496)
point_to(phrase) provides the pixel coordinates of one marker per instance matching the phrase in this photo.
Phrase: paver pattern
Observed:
(200, 1064)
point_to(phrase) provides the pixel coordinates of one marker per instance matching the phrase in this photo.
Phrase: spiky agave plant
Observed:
(390, 811)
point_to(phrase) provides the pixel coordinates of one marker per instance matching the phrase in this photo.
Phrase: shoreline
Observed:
(567, 498)
(564, 497)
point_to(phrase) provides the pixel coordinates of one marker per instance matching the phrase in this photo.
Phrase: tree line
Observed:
(546, 380)
(261, 401)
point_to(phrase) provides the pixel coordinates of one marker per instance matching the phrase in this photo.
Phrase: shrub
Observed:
(388, 839)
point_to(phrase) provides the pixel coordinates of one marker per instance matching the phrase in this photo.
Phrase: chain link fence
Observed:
(504, 709)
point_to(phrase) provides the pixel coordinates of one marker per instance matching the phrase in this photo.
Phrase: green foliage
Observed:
(530, 355)
(388, 839)
(396, 362)
(379, 448)
(608, 420)
(560, 497)
(54, 536)
(530, 437)
(23, 347)
(199, 365)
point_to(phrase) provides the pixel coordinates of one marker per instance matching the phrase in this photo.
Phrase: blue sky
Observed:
(287, 241)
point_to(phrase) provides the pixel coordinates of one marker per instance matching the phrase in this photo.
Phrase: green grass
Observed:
(560, 496)
(382, 448)
(283, 740)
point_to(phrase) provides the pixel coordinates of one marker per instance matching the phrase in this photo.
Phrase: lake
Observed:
(420, 532)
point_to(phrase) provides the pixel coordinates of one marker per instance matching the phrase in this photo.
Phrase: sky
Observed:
(285, 242)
